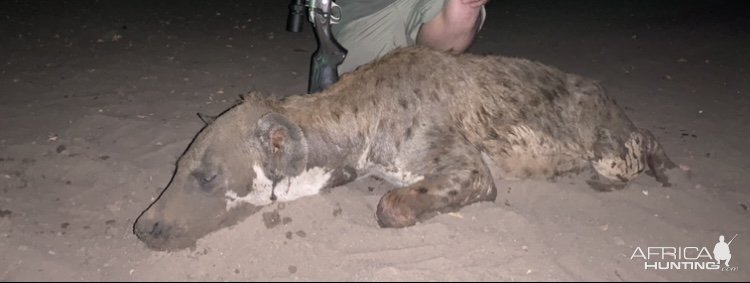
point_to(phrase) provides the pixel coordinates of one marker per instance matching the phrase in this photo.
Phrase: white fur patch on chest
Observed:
(308, 183)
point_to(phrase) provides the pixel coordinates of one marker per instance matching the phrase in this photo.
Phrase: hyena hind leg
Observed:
(618, 160)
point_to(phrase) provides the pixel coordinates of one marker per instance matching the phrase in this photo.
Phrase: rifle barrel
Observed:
(730, 241)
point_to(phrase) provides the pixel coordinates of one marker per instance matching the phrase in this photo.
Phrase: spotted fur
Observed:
(432, 123)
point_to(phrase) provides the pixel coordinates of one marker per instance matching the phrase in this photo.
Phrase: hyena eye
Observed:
(208, 179)
(205, 180)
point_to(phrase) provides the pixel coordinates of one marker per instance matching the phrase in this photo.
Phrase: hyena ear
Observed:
(283, 145)
(208, 119)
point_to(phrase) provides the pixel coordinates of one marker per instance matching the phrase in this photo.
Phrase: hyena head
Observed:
(227, 173)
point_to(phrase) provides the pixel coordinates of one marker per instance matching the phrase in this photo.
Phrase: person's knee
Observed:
(455, 27)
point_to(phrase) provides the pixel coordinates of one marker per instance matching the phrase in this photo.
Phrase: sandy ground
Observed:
(98, 99)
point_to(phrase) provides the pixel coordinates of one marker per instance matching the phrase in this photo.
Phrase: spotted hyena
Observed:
(431, 123)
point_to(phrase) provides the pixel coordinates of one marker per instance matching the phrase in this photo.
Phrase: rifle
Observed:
(730, 241)
(296, 15)
(330, 54)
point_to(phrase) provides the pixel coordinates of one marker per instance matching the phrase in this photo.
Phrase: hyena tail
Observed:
(617, 160)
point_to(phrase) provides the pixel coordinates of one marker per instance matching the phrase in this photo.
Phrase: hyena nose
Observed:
(149, 230)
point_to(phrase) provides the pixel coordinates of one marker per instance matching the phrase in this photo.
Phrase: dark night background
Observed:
(98, 99)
